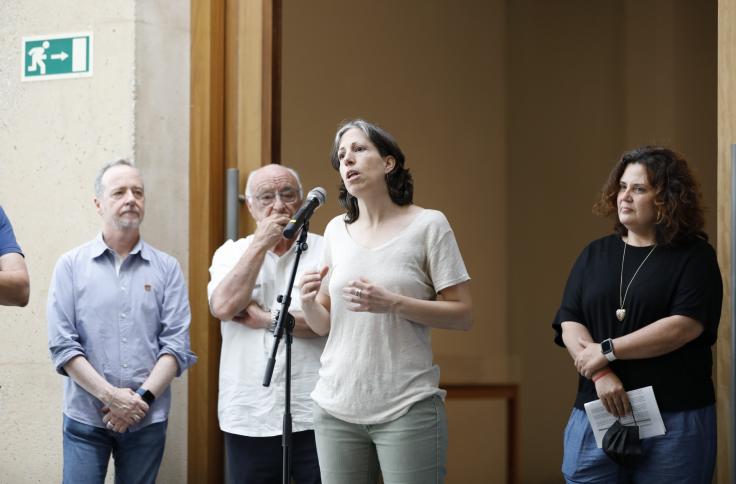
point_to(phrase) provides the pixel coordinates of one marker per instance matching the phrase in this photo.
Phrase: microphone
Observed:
(315, 199)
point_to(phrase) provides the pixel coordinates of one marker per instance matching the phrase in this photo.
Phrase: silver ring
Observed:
(109, 425)
(358, 293)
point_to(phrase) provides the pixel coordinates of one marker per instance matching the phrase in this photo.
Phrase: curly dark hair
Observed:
(399, 180)
(678, 199)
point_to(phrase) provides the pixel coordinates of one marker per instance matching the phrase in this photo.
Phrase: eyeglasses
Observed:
(266, 199)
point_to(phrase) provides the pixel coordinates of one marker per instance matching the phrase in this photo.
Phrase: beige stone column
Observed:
(726, 138)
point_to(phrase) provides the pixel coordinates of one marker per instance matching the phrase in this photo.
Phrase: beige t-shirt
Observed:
(375, 366)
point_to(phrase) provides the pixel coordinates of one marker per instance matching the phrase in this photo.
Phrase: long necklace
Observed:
(621, 311)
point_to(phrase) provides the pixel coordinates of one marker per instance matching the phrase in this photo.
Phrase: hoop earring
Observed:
(660, 216)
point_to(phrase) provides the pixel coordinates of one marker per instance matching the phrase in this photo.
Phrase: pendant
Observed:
(620, 314)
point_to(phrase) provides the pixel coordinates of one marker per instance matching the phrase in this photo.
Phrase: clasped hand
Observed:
(612, 394)
(125, 408)
(253, 317)
(609, 388)
(364, 296)
(590, 358)
(361, 295)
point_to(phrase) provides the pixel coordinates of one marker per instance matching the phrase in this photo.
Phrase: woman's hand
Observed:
(612, 394)
(590, 359)
(451, 309)
(309, 285)
(315, 303)
(364, 296)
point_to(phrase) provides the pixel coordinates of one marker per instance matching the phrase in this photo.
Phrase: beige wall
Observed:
(433, 75)
(161, 147)
(565, 130)
(586, 82)
(511, 115)
(670, 80)
(434, 78)
(54, 135)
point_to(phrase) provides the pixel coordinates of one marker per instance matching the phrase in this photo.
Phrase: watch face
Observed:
(606, 346)
(146, 395)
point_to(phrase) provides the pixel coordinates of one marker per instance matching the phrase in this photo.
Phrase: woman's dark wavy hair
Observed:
(399, 180)
(678, 199)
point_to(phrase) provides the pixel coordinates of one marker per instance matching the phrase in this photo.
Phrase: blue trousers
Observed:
(87, 452)
(409, 450)
(259, 460)
(685, 454)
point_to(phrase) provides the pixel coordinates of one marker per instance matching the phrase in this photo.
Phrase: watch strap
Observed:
(146, 395)
(609, 354)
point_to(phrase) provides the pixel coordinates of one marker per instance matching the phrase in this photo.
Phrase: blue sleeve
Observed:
(61, 316)
(175, 318)
(8, 244)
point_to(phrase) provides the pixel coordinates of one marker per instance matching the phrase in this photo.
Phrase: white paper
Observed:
(644, 407)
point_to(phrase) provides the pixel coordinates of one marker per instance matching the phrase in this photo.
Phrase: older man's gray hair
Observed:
(99, 187)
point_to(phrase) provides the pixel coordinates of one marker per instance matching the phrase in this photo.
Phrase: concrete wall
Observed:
(162, 44)
(54, 135)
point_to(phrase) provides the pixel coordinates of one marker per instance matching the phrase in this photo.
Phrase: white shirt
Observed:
(245, 406)
(376, 365)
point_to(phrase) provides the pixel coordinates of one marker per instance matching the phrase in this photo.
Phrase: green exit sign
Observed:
(57, 56)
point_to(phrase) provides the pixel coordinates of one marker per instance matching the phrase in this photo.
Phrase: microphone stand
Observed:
(285, 323)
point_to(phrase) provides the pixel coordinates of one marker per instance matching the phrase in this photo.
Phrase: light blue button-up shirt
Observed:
(122, 323)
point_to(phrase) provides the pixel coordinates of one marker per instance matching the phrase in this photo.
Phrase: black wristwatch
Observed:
(607, 349)
(146, 395)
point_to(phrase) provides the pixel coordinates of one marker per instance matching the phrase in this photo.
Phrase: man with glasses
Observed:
(246, 276)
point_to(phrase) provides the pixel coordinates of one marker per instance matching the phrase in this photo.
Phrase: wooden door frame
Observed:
(206, 225)
(209, 145)
(726, 140)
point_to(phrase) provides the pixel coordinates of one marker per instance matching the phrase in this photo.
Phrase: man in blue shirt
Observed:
(118, 322)
(14, 282)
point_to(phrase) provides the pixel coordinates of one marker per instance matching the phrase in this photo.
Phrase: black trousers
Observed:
(258, 460)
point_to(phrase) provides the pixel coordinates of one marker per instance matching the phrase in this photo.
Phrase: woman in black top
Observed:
(641, 307)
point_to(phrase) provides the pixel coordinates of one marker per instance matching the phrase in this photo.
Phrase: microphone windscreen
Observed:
(319, 193)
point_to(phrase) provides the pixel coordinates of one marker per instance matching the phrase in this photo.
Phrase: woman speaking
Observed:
(392, 271)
